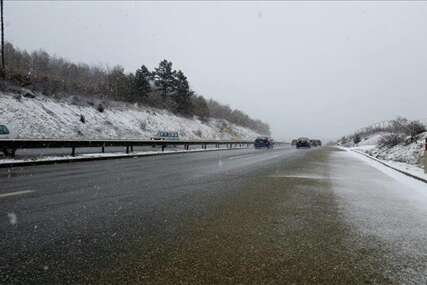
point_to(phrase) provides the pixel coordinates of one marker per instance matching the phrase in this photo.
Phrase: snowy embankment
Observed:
(44, 117)
(407, 157)
(410, 153)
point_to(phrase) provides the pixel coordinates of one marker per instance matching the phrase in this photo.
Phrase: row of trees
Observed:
(163, 87)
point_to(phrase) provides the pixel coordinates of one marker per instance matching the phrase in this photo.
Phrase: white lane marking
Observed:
(316, 177)
(254, 156)
(16, 193)
(241, 156)
(302, 176)
(12, 218)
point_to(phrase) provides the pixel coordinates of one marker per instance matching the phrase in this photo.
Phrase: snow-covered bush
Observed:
(198, 133)
(100, 108)
(391, 140)
(415, 128)
(357, 139)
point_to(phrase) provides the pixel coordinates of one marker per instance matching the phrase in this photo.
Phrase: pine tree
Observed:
(141, 83)
(182, 94)
(357, 139)
(164, 77)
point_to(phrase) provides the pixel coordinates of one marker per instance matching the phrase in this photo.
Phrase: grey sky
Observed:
(317, 69)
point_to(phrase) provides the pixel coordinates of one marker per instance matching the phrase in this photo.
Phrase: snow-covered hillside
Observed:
(43, 117)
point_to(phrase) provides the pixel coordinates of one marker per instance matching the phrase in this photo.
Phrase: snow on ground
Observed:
(412, 169)
(408, 181)
(388, 207)
(44, 117)
(401, 166)
(407, 157)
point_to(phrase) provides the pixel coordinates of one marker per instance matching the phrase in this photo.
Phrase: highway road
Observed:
(282, 216)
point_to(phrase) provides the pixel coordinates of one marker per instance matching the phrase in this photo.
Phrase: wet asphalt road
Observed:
(282, 216)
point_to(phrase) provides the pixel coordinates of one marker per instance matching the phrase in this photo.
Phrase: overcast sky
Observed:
(317, 69)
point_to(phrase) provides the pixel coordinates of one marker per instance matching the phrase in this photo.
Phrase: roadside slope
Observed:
(45, 117)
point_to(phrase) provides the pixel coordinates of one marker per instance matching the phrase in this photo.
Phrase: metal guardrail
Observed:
(9, 146)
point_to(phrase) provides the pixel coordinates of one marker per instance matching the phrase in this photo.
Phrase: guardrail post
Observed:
(103, 149)
(163, 147)
(131, 148)
(127, 149)
(425, 156)
(73, 151)
(9, 152)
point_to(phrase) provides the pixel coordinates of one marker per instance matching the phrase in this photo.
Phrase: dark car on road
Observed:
(317, 142)
(263, 142)
(303, 143)
(4, 132)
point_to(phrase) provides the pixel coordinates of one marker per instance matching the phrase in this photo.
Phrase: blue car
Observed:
(263, 142)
